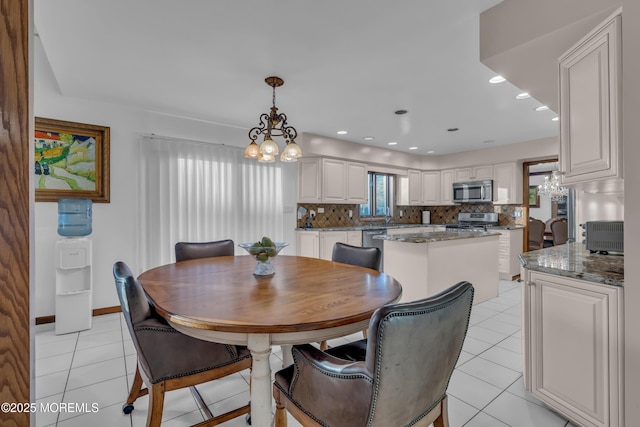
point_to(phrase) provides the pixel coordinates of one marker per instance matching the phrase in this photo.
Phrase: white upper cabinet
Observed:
(309, 180)
(357, 183)
(431, 188)
(590, 107)
(334, 181)
(323, 180)
(476, 173)
(415, 187)
(507, 184)
(446, 186)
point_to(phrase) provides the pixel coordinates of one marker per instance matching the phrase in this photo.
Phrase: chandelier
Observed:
(273, 124)
(551, 188)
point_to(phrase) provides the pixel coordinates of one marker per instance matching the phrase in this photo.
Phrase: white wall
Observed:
(115, 235)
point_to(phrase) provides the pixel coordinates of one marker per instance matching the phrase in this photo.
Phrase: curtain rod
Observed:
(177, 139)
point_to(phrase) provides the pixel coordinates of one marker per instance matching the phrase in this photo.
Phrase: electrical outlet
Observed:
(350, 214)
(320, 210)
(400, 213)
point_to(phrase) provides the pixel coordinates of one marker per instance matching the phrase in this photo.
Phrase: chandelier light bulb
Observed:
(269, 147)
(266, 158)
(252, 151)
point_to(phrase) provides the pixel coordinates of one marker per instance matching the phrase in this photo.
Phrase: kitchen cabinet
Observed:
(415, 187)
(324, 180)
(572, 332)
(328, 239)
(509, 247)
(309, 180)
(430, 188)
(319, 244)
(446, 181)
(307, 243)
(507, 184)
(590, 108)
(476, 173)
(354, 237)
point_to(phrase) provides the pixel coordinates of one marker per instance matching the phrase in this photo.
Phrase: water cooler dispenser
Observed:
(73, 266)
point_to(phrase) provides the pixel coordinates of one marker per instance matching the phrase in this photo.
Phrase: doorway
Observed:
(538, 207)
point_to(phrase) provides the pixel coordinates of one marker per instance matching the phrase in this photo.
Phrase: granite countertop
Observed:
(505, 227)
(435, 236)
(368, 227)
(574, 260)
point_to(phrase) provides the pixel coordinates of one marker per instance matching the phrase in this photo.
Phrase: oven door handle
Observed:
(482, 192)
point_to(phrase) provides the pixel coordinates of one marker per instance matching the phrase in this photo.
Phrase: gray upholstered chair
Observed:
(194, 250)
(167, 359)
(536, 234)
(559, 231)
(356, 255)
(397, 377)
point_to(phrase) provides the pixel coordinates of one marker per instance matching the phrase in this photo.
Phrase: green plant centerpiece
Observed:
(264, 250)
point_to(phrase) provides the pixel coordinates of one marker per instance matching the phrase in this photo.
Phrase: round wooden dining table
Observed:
(307, 300)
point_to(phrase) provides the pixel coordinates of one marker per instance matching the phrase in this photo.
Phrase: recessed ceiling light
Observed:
(400, 112)
(541, 108)
(413, 148)
(523, 95)
(368, 138)
(393, 143)
(430, 152)
(453, 129)
(497, 79)
(342, 132)
(555, 119)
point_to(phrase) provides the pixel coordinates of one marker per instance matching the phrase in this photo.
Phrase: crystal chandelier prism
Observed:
(552, 189)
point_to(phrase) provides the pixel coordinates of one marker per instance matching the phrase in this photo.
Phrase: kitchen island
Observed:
(427, 263)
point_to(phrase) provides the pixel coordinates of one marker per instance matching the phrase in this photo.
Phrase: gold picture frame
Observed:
(71, 161)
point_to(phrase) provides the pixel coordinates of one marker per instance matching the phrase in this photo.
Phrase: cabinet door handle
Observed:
(531, 283)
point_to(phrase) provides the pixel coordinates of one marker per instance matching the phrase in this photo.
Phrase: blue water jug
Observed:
(74, 217)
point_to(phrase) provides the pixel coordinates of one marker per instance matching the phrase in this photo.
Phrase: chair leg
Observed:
(281, 413)
(156, 402)
(323, 345)
(443, 419)
(136, 387)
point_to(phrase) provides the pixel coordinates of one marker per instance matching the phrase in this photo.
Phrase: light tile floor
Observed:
(97, 366)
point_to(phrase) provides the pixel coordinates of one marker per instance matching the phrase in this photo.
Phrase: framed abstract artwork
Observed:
(71, 160)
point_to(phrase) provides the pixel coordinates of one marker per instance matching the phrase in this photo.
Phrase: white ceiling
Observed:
(347, 65)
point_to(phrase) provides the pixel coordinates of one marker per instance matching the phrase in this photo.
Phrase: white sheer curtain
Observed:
(195, 191)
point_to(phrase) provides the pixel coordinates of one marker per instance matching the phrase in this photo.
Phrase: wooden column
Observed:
(16, 198)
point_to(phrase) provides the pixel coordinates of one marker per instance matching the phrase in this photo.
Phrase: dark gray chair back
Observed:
(193, 250)
(356, 255)
(412, 350)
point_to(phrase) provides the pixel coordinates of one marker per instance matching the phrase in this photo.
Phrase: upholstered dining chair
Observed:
(536, 234)
(356, 255)
(559, 231)
(194, 250)
(397, 377)
(169, 360)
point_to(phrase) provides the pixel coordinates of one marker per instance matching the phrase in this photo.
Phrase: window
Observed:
(380, 196)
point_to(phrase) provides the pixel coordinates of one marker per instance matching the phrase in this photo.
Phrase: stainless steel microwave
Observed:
(473, 191)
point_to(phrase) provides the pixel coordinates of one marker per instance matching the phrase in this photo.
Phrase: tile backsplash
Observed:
(338, 215)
